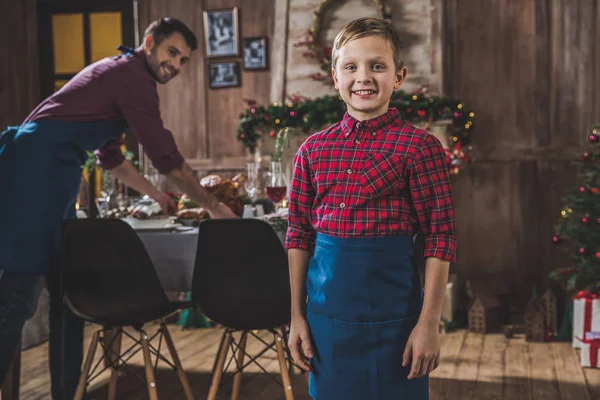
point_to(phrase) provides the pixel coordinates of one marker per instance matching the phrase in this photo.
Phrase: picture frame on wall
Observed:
(255, 53)
(224, 74)
(221, 32)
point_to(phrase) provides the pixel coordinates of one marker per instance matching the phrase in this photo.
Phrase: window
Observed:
(76, 34)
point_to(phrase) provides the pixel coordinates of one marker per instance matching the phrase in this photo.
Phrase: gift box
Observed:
(586, 316)
(590, 352)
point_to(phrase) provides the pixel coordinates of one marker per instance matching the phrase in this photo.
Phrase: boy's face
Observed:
(365, 75)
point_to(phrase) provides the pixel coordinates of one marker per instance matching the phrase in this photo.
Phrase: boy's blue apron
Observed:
(40, 171)
(364, 299)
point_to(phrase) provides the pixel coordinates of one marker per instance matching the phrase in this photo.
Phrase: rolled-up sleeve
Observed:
(139, 104)
(432, 198)
(300, 233)
(110, 155)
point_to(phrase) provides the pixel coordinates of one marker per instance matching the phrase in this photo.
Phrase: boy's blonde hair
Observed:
(369, 26)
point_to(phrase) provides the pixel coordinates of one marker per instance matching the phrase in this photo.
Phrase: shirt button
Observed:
(358, 125)
(357, 141)
(343, 205)
(349, 170)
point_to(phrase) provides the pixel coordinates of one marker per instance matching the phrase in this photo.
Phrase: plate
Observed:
(163, 224)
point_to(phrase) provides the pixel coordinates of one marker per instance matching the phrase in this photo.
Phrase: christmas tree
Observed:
(578, 229)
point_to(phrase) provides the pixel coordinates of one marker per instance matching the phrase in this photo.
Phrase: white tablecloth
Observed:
(173, 255)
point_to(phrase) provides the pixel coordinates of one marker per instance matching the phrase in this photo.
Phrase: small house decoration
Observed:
(549, 299)
(535, 321)
(541, 317)
(484, 314)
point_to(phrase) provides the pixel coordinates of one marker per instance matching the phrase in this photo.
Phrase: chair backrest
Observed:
(107, 275)
(241, 277)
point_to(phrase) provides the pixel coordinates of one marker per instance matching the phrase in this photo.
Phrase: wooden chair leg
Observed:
(175, 357)
(285, 375)
(237, 378)
(214, 367)
(11, 387)
(112, 359)
(89, 359)
(222, 356)
(150, 381)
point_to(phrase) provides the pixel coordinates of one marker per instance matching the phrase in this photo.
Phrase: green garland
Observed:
(312, 115)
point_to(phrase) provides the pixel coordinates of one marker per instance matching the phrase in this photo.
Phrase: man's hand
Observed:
(222, 211)
(299, 343)
(423, 348)
(165, 201)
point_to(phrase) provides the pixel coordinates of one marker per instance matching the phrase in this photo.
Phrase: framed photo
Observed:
(224, 74)
(221, 32)
(255, 53)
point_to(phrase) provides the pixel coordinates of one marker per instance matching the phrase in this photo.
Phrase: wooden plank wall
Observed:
(19, 74)
(204, 120)
(529, 69)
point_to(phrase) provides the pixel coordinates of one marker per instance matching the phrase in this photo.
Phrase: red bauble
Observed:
(555, 239)
(598, 255)
(593, 138)
(272, 133)
(584, 220)
(581, 189)
(582, 250)
(595, 190)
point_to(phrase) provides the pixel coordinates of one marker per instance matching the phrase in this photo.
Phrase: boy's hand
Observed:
(423, 348)
(299, 343)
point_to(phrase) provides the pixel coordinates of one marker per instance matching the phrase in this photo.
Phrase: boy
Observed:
(361, 190)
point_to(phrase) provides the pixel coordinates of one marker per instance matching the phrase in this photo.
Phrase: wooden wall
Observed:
(19, 76)
(205, 120)
(529, 69)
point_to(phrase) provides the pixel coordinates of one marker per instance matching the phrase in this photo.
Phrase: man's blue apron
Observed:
(364, 299)
(40, 172)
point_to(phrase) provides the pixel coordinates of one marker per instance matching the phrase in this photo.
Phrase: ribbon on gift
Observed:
(589, 297)
(594, 347)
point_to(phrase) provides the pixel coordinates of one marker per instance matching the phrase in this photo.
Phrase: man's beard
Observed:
(157, 68)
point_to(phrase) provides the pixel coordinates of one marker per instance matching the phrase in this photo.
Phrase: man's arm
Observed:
(126, 173)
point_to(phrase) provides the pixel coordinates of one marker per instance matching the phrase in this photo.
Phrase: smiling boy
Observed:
(361, 190)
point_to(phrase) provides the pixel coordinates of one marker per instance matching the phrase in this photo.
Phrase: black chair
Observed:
(241, 281)
(109, 279)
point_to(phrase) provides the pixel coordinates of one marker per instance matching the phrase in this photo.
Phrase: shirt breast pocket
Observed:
(382, 175)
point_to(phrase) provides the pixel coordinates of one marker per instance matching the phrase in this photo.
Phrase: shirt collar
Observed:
(374, 125)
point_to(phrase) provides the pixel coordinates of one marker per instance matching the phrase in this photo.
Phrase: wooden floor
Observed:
(473, 366)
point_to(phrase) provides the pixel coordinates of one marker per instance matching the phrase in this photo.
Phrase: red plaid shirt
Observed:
(378, 177)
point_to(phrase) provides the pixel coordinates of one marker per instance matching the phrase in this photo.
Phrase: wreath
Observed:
(320, 51)
(312, 115)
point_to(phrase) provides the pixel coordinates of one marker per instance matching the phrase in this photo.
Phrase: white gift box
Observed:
(586, 318)
(590, 352)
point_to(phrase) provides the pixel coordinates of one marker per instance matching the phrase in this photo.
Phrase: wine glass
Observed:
(251, 184)
(276, 184)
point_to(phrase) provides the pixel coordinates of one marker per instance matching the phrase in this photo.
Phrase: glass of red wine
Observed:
(276, 187)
